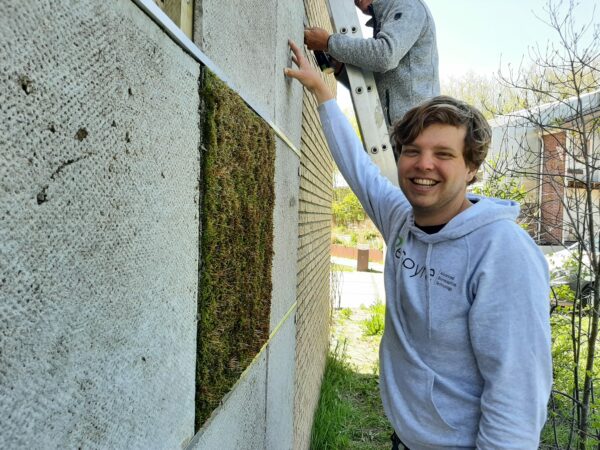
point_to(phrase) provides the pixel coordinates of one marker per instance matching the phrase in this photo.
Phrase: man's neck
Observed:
(427, 219)
(430, 229)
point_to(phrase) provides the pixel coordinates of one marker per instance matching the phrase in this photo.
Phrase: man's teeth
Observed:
(424, 181)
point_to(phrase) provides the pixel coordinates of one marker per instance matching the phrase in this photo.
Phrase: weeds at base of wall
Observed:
(375, 323)
(350, 413)
(234, 298)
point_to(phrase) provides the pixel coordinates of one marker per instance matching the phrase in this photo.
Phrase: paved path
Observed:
(359, 288)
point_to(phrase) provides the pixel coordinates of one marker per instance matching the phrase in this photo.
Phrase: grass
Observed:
(350, 414)
(236, 248)
(374, 324)
(346, 313)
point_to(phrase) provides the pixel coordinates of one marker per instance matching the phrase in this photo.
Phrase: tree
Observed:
(497, 185)
(483, 92)
(553, 146)
(346, 207)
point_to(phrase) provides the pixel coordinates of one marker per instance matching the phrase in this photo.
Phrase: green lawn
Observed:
(350, 414)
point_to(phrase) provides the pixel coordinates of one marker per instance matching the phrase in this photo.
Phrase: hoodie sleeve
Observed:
(510, 333)
(400, 29)
(380, 198)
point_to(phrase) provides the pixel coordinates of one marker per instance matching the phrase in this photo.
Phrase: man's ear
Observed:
(471, 173)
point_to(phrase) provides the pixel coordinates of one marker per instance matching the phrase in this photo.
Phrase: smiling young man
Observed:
(465, 357)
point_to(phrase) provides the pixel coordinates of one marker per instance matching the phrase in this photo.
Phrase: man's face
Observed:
(363, 5)
(433, 174)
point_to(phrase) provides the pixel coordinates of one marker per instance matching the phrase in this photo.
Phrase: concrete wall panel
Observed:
(99, 228)
(280, 398)
(288, 93)
(285, 225)
(240, 423)
(240, 39)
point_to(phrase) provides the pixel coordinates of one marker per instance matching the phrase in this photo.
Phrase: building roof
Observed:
(551, 114)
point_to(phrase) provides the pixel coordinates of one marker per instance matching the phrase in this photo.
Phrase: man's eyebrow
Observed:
(437, 147)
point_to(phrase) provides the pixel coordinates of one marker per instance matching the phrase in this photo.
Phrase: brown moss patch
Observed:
(234, 299)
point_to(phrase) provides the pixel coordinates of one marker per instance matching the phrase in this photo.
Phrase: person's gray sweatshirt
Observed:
(402, 54)
(466, 355)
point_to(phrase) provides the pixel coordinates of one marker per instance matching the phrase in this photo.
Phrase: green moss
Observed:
(234, 298)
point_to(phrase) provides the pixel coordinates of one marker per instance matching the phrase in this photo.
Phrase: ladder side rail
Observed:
(365, 98)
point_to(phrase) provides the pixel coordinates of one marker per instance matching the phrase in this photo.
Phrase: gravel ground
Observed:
(362, 351)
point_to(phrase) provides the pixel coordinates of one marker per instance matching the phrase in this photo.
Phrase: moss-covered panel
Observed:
(237, 241)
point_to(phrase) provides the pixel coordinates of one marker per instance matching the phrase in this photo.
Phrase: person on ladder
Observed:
(402, 53)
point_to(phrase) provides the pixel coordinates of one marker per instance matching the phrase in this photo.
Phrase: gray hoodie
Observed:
(402, 54)
(466, 355)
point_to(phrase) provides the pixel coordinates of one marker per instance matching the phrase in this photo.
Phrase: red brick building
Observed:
(555, 155)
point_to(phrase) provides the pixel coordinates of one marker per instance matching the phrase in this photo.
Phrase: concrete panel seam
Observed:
(246, 372)
(174, 32)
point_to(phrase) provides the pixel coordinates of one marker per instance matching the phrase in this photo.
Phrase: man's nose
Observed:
(424, 161)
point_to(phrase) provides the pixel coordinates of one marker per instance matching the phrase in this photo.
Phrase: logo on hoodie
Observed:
(399, 242)
(415, 269)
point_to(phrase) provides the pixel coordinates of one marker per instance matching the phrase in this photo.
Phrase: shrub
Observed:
(346, 313)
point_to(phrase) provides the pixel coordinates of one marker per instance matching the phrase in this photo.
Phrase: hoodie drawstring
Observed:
(427, 288)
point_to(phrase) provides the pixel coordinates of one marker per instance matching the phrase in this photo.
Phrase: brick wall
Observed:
(314, 229)
(551, 208)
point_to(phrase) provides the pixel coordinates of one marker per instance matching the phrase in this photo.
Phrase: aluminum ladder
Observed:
(365, 99)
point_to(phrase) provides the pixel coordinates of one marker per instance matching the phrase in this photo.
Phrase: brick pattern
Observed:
(312, 315)
(551, 207)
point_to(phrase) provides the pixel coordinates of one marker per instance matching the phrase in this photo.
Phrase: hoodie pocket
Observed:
(411, 403)
(432, 399)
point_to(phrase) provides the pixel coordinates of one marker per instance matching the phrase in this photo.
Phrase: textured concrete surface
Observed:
(98, 228)
(240, 39)
(255, 48)
(288, 92)
(281, 350)
(240, 423)
(285, 232)
(280, 393)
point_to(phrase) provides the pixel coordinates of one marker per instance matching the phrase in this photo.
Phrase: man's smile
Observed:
(424, 181)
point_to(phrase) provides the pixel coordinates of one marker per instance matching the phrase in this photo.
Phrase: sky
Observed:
(477, 35)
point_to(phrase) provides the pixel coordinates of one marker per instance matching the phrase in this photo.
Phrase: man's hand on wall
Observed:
(305, 74)
(316, 38)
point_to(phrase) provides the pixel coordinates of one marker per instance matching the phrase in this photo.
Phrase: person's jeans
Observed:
(397, 443)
